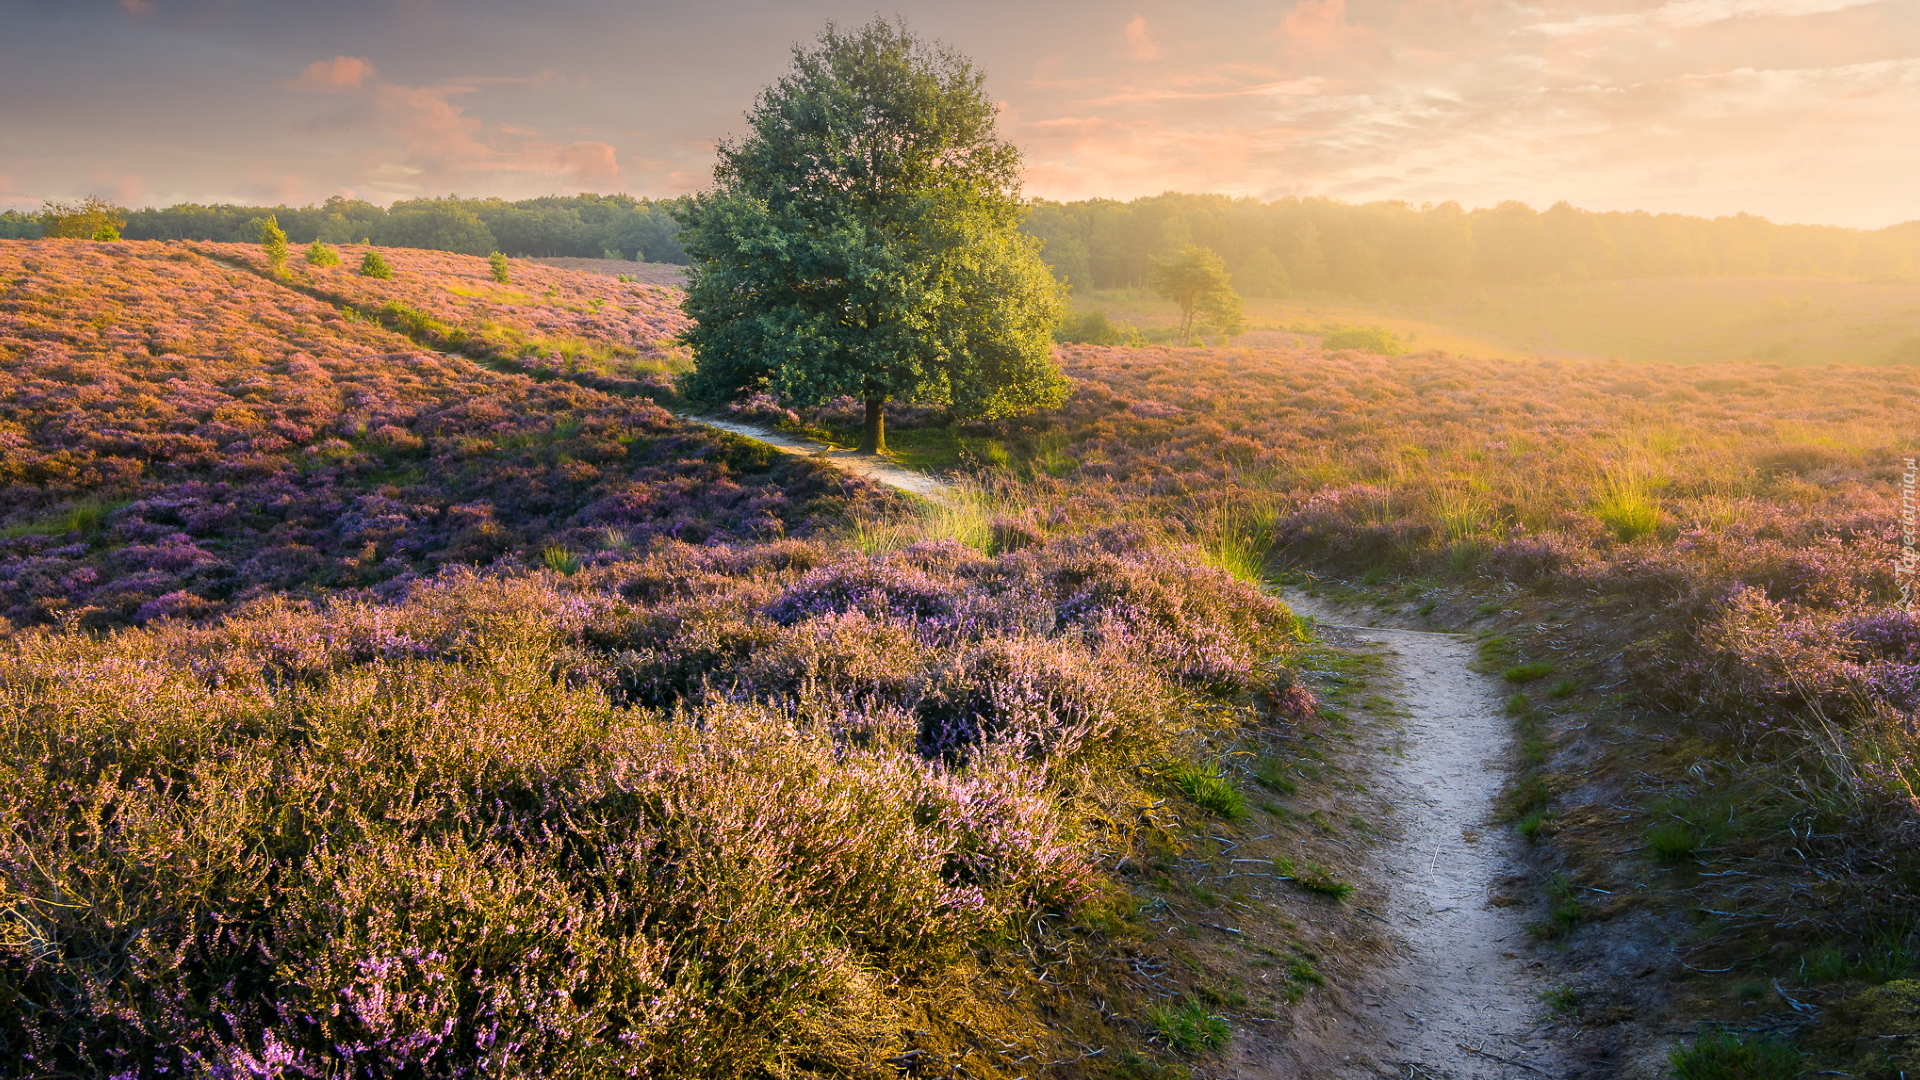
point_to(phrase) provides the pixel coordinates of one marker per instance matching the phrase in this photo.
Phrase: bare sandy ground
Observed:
(1461, 997)
(877, 469)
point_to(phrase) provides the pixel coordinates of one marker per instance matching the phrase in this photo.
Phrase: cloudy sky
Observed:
(1799, 110)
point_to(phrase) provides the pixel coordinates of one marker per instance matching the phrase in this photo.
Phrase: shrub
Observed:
(273, 243)
(497, 263)
(373, 266)
(1365, 339)
(319, 254)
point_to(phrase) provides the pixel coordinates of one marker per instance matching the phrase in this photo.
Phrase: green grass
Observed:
(560, 561)
(1188, 1027)
(1271, 773)
(1719, 1056)
(1528, 672)
(1209, 790)
(1673, 841)
(1566, 913)
(1314, 878)
(86, 517)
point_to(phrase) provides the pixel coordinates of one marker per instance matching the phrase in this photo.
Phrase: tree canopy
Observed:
(863, 239)
(1196, 279)
(91, 218)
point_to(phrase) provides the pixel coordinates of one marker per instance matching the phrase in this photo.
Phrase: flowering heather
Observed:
(546, 311)
(1737, 522)
(505, 827)
(176, 437)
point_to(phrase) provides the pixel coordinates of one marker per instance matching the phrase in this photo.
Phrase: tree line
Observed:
(1285, 247)
(583, 226)
(1369, 250)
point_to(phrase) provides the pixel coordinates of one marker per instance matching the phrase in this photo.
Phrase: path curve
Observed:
(1462, 999)
(877, 469)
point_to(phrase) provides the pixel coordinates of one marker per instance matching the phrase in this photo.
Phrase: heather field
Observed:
(179, 437)
(393, 688)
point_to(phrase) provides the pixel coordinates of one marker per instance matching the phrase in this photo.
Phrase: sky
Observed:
(1796, 110)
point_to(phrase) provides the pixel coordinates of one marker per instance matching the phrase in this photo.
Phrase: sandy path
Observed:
(1461, 999)
(876, 469)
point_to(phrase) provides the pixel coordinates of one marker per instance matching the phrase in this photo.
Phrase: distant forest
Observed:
(580, 226)
(1374, 250)
(1280, 248)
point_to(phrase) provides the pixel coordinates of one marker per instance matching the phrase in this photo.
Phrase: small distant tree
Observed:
(92, 218)
(273, 240)
(375, 267)
(499, 264)
(864, 240)
(320, 254)
(1196, 279)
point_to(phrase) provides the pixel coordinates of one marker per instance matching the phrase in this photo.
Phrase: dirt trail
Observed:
(878, 470)
(1461, 999)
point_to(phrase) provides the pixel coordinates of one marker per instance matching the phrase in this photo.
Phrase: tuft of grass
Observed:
(1528, 672)
(1566, 913)
(1270, 772)
(1673, 841)
(560, 561)
(1314, 878)
(1721, 1056)
(1626, 505)
(1188, 1027)
(1563, 1000)
(1563, 688)
(1209, 790)
(1534, 824)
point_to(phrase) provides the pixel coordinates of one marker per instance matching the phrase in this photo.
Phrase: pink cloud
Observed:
(338, 74)
(1140, 43)
(1321, 26)
(139, 7)
(589, 162)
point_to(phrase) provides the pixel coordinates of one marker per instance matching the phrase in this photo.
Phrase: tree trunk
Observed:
(873, 437)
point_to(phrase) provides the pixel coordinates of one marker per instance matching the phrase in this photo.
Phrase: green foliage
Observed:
(1209, 790)
(497, 263)
(863, 240)
(439, 224)
(1364, 338)
(1372, 251)
(273, 241)
(1672, 841)
(1528, 672)
(1626, 505)
(560, 561)
(1188, 1027)
(1718, 1055)
(1197, 280)
(373, 266)
(320, 254)
(92, 218)
(1095, 328)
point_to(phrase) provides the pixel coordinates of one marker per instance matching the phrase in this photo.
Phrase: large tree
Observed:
(863, 239)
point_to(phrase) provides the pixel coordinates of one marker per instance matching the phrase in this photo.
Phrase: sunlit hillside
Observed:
(1791, 321)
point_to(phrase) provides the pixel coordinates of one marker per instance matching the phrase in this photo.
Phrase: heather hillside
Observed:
(180, 435)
